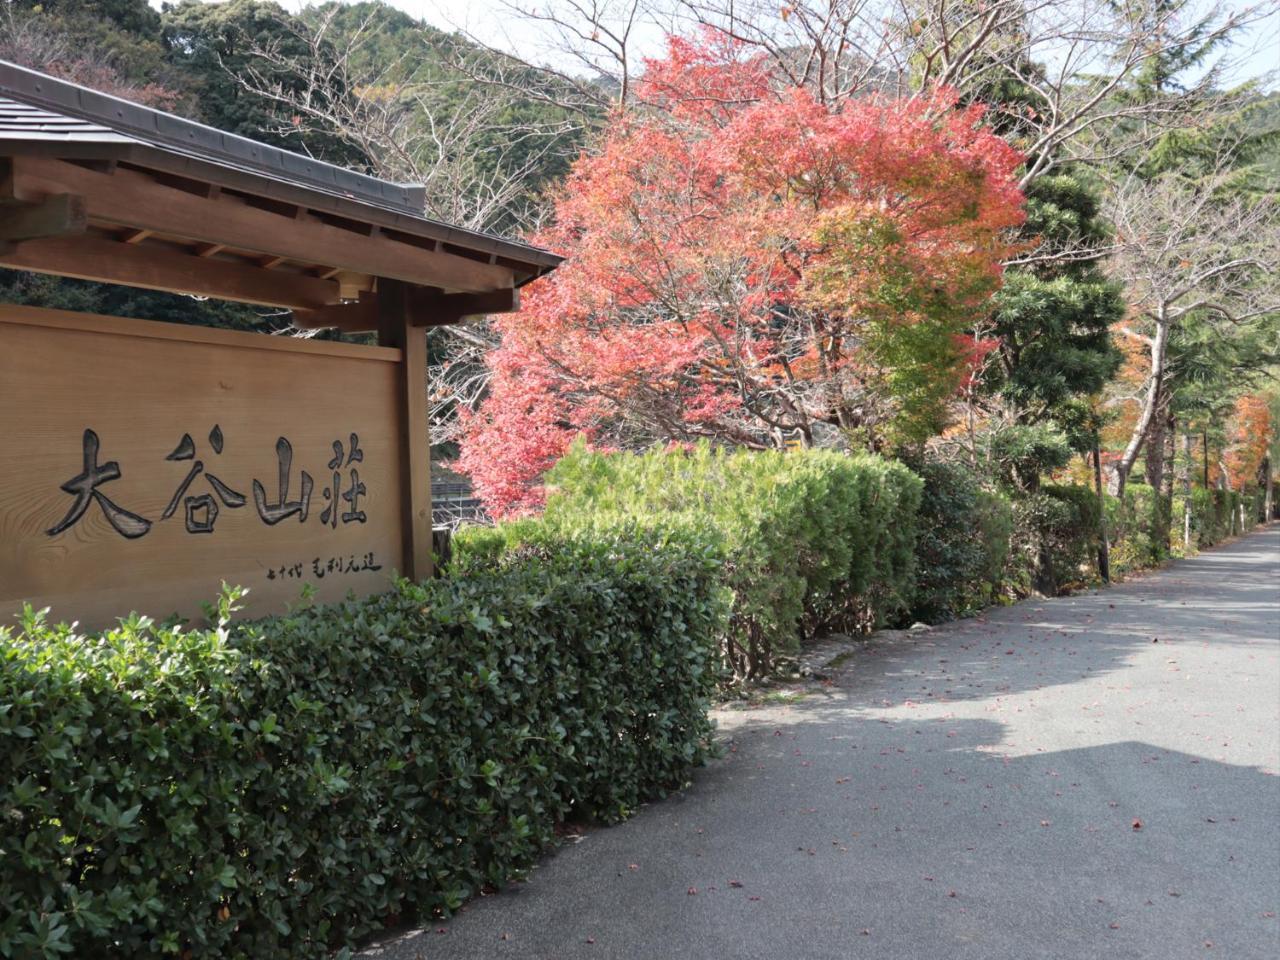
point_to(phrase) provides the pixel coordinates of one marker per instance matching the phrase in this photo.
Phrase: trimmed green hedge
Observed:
(813, 539)
(281, 788)
(1129, 526)
(962, 545)
(1055, 539)
(1216, 515)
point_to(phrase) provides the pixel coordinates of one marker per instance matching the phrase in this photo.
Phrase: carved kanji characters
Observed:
(202, 510)
(85, 489)
(283, 508)
(353, 493)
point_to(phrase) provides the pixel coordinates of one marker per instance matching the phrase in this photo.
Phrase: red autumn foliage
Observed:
(747, 264)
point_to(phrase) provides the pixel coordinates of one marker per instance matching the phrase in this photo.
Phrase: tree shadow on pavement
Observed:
(821, 839)
(1041, 782)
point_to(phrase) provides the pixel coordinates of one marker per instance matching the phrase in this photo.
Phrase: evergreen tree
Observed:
(1053, 317)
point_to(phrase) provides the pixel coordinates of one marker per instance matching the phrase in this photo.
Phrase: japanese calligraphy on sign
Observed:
(201, 511)
(146, 464)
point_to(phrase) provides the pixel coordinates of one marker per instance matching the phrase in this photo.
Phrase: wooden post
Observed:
(1104, 548)
(396, 329)
(1268, 502)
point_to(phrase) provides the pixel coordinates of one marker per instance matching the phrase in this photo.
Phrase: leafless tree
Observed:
(419, 118)
(1190, 250)
(413, 123)
(1078, 59)
(592, 47)
(1074, 63)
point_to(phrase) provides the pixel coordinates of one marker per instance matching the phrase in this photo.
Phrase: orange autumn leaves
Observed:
(744, 262)
(1246, 430)
(1249, 434)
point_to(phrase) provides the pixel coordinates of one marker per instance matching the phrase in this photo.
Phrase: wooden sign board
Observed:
(143, 464)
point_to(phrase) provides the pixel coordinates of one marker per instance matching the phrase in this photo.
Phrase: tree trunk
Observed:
(1157, 521)
(1184, 481)
(1104, 546)
(1150, 405)
(1155, 449)
(1224, 483)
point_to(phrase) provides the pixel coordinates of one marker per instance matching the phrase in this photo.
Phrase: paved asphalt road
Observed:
(1046, 781)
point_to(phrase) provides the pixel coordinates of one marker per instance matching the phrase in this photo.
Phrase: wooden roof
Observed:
(105, 189)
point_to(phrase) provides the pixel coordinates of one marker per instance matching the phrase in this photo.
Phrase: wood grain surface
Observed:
(140, 388)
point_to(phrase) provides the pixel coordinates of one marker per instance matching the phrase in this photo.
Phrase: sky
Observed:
(1256, 54)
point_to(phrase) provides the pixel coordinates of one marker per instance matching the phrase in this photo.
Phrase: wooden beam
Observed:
(158, 268)
(51, 216)
(433, 309)
(129, 198)
(358, 317)
(427, 308)
(395, 329)
(270, 263)
(208, 249)
(135, 236)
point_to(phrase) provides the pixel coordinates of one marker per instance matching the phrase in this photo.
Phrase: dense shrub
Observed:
(814, 539)
(279, 788)
(1255, 506)
(1055, 539)
(962, 545)
(1214, 516)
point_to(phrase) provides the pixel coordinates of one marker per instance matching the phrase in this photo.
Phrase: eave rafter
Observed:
(54, 215)
(167, 232)
(154, 267)
(426, 308)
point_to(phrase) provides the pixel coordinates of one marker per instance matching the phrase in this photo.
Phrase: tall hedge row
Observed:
(1214, 516)
(1055, 539)
(812, 541)
(281, 788)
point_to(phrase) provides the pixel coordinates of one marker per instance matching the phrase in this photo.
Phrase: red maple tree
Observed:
(749, 265)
